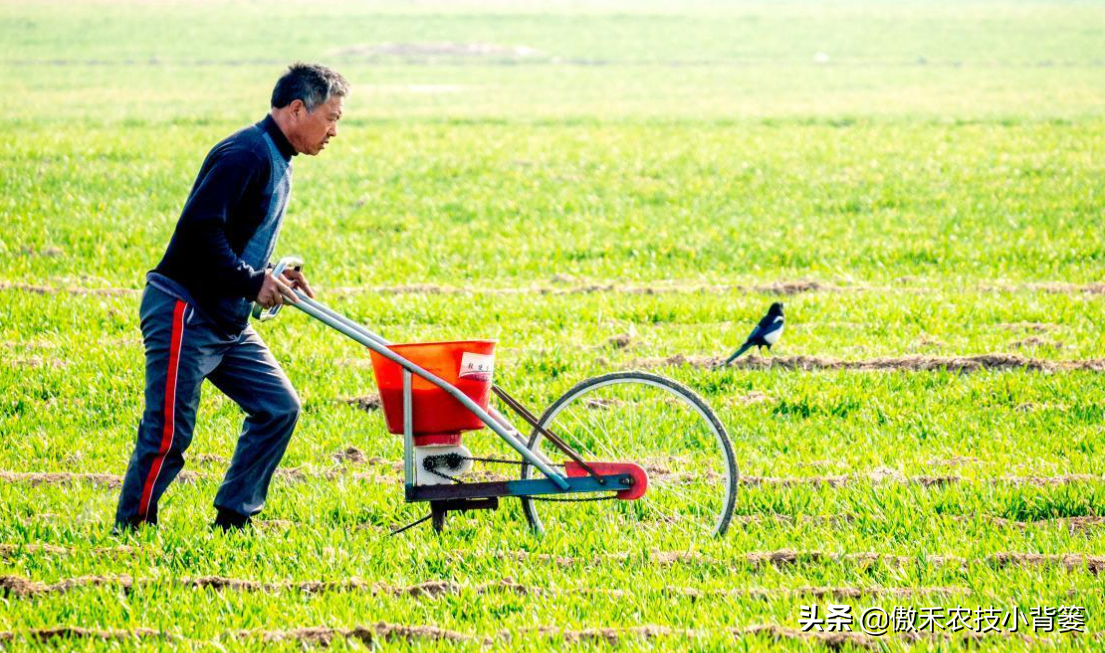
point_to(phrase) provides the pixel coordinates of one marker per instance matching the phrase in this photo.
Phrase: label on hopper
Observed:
(477, 367)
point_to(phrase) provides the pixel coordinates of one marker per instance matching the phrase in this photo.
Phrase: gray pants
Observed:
(182, 349)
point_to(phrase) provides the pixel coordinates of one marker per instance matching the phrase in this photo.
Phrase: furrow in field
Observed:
(21, 587)
(787, 557)
(68, 290)
(781, 558)
(900, 363)
(782, 287)
(911, 363)
(875, 477)
(883, 477)
(307, 636)
(830, 640)
(115, 481)
(787, 287)
(579, 287)
(1073, 524)
(573, 287)
(35, 362)
(76, 632)
(323, 636)
(13, 586)
(10, 550)
(62, 478)
(775, 288)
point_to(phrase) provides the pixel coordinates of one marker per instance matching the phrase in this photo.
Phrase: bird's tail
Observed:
(745, 347)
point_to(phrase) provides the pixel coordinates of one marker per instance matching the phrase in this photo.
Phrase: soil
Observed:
(367, 403)
(1035, 341)
(904, 363)
(350, 454)
(620, 341)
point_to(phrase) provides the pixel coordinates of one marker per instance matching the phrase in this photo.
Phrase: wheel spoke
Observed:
(644, 419)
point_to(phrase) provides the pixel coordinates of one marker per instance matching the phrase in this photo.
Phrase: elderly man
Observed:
(196, 305)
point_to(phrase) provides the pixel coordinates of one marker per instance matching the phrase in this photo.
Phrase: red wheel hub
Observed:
(638, 473)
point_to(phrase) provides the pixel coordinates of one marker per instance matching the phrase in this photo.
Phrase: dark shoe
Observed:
(123, 528)
(229, 520)
(131, 525)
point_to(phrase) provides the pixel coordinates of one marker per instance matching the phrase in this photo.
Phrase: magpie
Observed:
(765, 334)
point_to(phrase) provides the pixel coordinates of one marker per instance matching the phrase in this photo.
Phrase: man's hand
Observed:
(298, 281)
(275, 291)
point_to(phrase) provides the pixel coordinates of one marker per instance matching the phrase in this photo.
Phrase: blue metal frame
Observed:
(524, 487)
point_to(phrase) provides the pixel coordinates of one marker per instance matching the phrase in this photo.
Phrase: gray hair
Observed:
(310, 83)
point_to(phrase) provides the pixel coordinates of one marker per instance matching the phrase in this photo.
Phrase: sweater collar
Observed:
(278, 137)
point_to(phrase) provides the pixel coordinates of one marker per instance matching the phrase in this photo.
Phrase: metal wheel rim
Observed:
(686, 396)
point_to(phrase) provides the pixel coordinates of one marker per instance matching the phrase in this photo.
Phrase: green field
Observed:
(600, 187)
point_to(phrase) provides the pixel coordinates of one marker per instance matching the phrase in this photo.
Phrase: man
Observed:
(195, 308)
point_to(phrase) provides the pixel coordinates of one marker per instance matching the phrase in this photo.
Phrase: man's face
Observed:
(312, 130)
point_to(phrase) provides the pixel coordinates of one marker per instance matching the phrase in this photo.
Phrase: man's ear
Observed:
(297, 109)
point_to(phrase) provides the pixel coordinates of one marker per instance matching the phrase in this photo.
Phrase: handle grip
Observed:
(262, 314)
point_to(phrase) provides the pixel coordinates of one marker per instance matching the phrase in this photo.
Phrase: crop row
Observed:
(385, 632)
(1072, 561)
(569, 286)
(14, 586)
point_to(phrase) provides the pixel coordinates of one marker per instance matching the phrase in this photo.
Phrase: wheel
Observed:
(651, 421)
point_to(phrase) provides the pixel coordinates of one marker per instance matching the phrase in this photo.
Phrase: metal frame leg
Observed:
(408, 431)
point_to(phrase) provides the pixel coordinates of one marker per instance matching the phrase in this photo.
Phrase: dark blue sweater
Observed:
(217, 256)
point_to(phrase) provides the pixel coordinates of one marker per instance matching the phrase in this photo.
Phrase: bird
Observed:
(765, 334)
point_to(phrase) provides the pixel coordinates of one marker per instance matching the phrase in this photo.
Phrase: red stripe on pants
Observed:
(169, 428)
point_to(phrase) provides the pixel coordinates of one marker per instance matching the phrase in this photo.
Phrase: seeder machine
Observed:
(628, 448)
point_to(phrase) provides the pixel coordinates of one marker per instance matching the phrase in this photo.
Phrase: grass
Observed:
(918, 180)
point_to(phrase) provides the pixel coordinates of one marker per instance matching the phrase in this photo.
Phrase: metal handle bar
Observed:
(491, 418)
(359, 328)
(322, 314)
(259, 312)
(365, 332)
